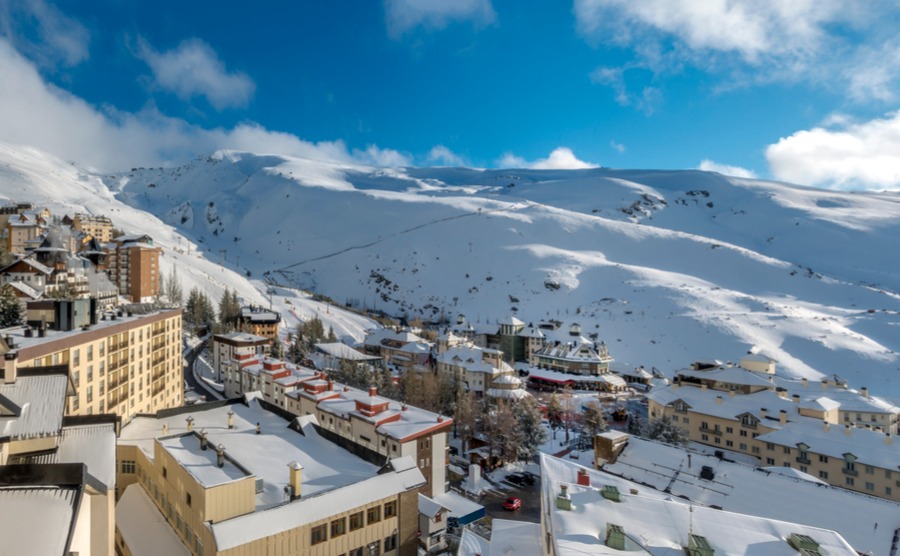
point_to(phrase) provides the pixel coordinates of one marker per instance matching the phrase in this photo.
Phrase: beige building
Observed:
(226, 348)
(123, 363)
(24, 229)
(57, 478)
(797, 428)
(133, 265)
(98, 227)
(258, 321)
(236, 479)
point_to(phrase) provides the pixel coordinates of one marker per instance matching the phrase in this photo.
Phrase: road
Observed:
(201, 389)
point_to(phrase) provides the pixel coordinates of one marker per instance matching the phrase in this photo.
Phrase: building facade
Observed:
(122, 363)
(133, 265)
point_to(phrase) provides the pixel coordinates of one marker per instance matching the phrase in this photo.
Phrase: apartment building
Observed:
(98, 227)
(24, 229)
(227, 347)
(482, 371)
(800, 429)
(258, 321)
(234, 479)
(133, 265)
(122, 362)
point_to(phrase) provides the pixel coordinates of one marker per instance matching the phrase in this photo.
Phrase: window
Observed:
(870, 470)
(356, 552)
(390, 543)
(373, 549)
(76, 357)
(187, 499)
(165, 472)
(90, 376)
(75, 379)
(90, 353)
(704, 437)
(356, 521)
(823, 459)
(887, 491)
(729, 443)
(390, 509)
(127, 466)
(870, 487)
(742, 446)
(373, 515)
(849, 481)
(743, 433)
(729, 430)
(770, 461)
(786, 449)
(318, 534)
(90, 394)
(338, 527)
(754, 449)
(770, 446)
(823, 475)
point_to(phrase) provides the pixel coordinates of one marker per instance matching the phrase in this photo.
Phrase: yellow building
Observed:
(235, 479)
(123, 363)
(98, 227)
(785, 429)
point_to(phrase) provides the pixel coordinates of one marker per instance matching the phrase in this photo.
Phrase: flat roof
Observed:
(660, 526)
(37, 519)
(326, 466)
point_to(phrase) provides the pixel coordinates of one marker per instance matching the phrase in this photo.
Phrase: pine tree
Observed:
(593, 418)
(528, 413)
(664, 429)
(10, 310)
(554, 412)
(464, 417)
(276, 349)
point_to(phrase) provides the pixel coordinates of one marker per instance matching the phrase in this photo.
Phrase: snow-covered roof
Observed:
(656, 525)
(720, 404)
(429, 507)
(31, 262)
(261, 524)
(514, 394)
(40, 399)
(531, 331)
(93, 445)
(515, 537)
(265, 456)
(849, 400)
(472, 544)
(821, 403)
(144, 530)
(343, 351)
(459, 506)
(793, 473)
(744, 488)
(376, 338)
(258, 314)
(729, 375)
(241, 337)
(471, 358)
(580, 350)
(25, 289)
(36, 519)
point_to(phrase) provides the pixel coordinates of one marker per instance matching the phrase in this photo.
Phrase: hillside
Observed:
(665, 266)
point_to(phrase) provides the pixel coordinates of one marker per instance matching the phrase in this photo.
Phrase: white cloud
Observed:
(726, 169)
(404, 15)
(562, 158)
(439, 154)
(34, 113)
(60, 40)
(850, 155)
(752, 41)
(194, 69)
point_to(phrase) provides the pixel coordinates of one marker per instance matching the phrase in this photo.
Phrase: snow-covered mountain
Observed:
(665, 266)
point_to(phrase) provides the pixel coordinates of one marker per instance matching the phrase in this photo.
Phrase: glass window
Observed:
(338, 527)
(356, 521)
(373, 515)
(318, 534)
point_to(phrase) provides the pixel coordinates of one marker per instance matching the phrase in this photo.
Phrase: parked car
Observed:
(516, 479)
(529, 478)
(512, 504)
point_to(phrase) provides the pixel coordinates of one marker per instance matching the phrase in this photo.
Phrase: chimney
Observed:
(796, 398)
(230, 419)
(563, 501)
(373, 391)
(204, 443)
(848, 430)
(440, 419)
(824, 384)
(402, 407)
(763, 412)
(826, 426)
(296, 474)
(10, 367)
(887, 438)
(703, 387)
(165, 428)
(731, 393)
(258, 428)
(718, 400)
(220, 455)
(804, 382)
(864, 392)
(190, 423)
(583, 478)
(330, 385)
(782, 417)
(782, 394)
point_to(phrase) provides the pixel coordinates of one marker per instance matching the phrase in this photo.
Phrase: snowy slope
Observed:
(665, 266)
(28, 175)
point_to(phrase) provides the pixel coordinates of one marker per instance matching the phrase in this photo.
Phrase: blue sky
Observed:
(801, 90)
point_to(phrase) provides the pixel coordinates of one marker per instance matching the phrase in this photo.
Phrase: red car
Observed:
(512, 504)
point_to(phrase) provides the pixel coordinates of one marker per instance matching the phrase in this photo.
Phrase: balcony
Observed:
(803, 459)
(851, 472)
(707, 430)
